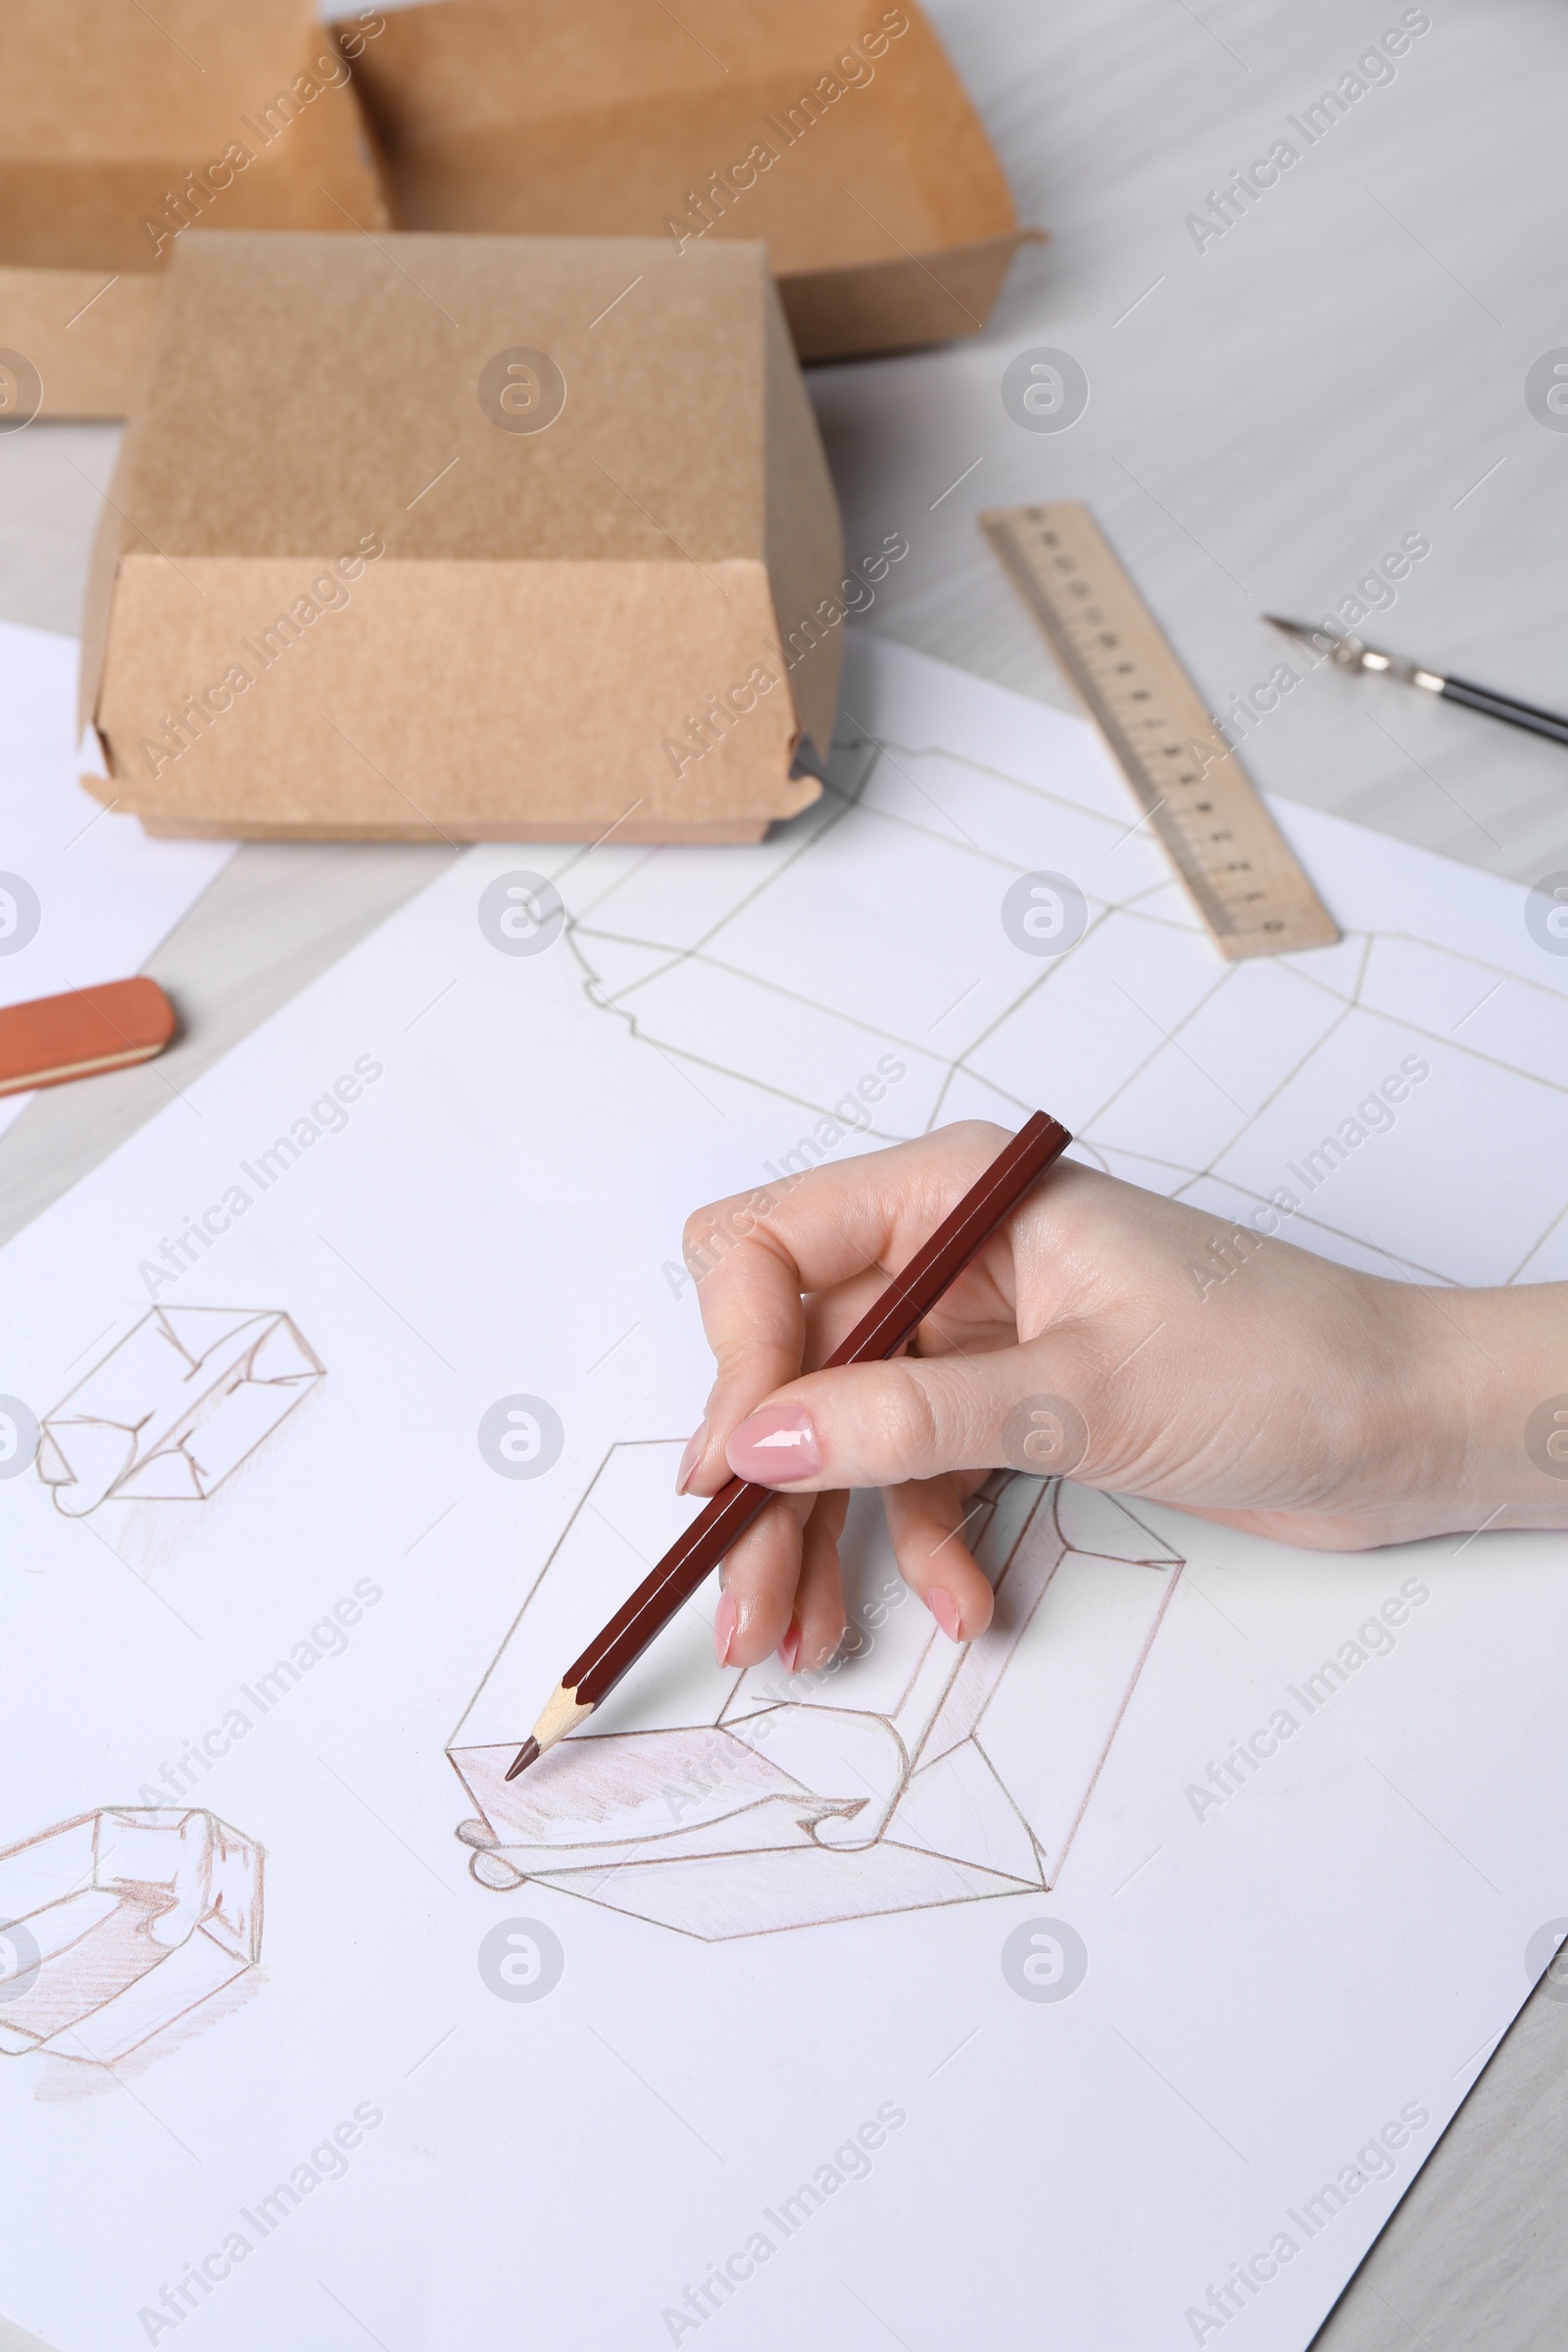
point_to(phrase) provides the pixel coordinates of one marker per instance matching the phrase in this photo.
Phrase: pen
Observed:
(1353, 653)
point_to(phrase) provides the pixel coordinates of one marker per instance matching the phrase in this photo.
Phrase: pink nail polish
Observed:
(695, 1447)
(725, 1617)
(945, 1609)
(775, 1446)
(789, 1650)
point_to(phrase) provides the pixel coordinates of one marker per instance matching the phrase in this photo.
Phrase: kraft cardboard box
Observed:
(121, 127)
(466, 538)
(837, 130)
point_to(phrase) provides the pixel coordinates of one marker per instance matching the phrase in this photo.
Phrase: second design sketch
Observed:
(727, 1804)
(174, 1408)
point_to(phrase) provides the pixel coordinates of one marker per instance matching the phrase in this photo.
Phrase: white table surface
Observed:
(1267, 418)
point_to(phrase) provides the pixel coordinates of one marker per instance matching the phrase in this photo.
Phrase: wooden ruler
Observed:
(1243, 877)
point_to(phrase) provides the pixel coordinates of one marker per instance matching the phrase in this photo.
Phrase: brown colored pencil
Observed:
(891, 1323)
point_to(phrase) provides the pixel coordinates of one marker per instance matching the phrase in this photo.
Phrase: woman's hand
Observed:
(1107, 1333)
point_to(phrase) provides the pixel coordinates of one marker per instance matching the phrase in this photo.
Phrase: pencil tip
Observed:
(527, 1753)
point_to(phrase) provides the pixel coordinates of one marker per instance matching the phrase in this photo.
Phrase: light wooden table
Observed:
(1267, 416)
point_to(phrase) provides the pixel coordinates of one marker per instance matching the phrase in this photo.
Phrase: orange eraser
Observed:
(88, 1029)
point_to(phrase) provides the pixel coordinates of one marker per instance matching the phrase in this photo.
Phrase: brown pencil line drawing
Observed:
(581, 1504)
(174, 1408)
(637, 1001)
(117, 1925)
(919, 1775)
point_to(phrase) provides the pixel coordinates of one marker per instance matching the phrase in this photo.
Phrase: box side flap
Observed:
(968, 186)
(118, 530)
(901, 304)
(108, 546)
(458, 700)
(804, 537)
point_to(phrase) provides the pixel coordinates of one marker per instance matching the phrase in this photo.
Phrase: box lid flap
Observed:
(384, 384)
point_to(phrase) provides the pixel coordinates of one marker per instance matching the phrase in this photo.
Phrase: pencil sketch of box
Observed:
(912, 1775)
(174, 1408)
(114, 1924)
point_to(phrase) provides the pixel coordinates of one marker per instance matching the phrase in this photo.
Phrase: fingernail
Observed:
(945, 1609)
(724, 1621)
(789, 1650)
(695, 1446)
(775, 1446)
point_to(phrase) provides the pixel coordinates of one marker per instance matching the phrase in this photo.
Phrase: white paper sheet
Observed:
(752, 2024)
(96, 893)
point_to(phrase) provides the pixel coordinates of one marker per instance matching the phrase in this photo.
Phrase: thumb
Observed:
(918, 1418)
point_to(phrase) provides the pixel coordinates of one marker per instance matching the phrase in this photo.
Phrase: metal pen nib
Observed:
(1353, 653)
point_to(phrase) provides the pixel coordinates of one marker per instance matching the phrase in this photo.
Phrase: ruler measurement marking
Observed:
(1255, 900)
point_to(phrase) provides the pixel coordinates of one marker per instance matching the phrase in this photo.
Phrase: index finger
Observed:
(834, 1228)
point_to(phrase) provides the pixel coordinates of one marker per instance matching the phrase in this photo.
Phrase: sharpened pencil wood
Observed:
(563, 1713)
